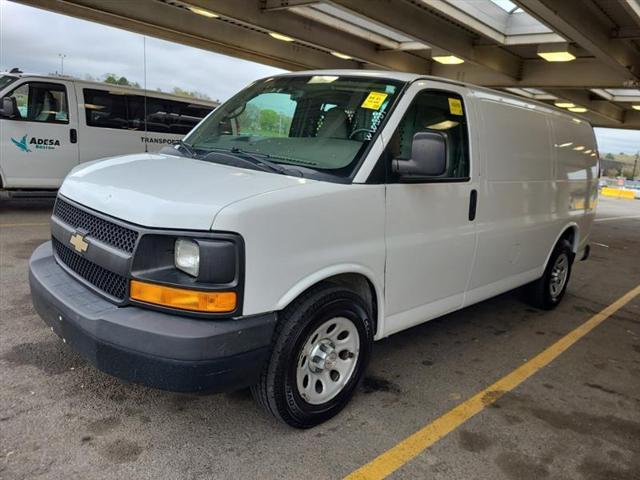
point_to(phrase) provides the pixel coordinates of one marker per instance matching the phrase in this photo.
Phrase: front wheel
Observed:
(321, 349)
(548, 290)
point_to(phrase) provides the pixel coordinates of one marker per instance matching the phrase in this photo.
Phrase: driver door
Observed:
(430, 230)
(38, 145)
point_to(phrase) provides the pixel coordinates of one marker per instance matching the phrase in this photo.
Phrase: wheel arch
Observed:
(571, 232)
(356, 277)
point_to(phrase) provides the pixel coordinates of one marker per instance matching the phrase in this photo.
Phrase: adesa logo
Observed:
(22, 144)
(37, 143)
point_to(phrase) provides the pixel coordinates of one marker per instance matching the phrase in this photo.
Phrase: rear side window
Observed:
(112, 110)
(436, 111)
(162, 115)
(158, 115)
(104, 109)
(41, 102)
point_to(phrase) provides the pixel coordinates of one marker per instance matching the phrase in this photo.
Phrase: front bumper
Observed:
(148, 347)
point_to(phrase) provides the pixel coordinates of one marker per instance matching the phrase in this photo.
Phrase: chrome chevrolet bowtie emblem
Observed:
(79, 243)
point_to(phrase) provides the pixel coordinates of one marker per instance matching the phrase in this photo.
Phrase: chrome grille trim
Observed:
(99, 228)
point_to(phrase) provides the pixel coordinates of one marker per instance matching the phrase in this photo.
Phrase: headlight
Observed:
(187, 256)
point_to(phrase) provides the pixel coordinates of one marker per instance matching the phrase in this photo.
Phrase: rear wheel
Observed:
(322, 347)
(548, 290)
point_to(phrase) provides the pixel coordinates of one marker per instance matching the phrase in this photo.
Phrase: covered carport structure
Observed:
(580, 54)
(495, 391)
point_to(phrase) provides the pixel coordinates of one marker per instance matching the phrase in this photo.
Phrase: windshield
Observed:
(6, 80)
(315, 123)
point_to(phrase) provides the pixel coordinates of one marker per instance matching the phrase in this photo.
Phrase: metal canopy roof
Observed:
(498, 40)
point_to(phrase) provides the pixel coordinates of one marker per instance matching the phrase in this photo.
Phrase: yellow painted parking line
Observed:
(12, 225)
(410, 447)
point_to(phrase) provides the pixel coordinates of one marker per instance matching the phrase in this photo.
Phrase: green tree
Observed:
(113, 79)
(609, 156)
(269, 120)
(193, 94)
(627, 172)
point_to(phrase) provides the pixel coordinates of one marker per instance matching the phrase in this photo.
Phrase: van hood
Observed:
(167, 191)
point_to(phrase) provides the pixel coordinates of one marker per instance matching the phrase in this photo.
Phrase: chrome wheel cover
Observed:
(327, 360)
(559, 274)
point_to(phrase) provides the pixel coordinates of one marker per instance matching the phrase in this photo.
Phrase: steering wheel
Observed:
(358, 130)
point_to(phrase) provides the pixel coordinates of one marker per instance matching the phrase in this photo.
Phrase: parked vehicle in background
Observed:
(50, 124)
(308, 216)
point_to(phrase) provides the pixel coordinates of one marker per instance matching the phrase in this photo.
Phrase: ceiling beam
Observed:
(582, 73)
(626, 33)
(633, 9)
(315, 34)
(631, 119)
(275, 5)
(602, 108)
(570, 19)
(161, 20)
(421, 24)
(471, 16)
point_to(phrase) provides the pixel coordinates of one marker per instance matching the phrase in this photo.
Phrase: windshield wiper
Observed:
(187, 148)
(264, 162)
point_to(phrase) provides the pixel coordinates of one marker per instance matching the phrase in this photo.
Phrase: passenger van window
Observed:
(21, 95)
(105, 109)
(435, 111)
(41, 102)
(171, 116)
(190, 116)
(167, 116)
(115, 110)
(158, 115)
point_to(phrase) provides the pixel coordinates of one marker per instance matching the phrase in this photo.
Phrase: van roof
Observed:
(411, 77)
(111, 86)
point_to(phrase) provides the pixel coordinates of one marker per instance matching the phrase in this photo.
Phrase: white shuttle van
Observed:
(310, 215)
(50, 124)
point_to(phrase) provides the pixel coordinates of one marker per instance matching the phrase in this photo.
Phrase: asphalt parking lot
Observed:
(577, 418)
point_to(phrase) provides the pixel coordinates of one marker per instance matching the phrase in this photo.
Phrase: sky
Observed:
(95, 49)
(611, 140)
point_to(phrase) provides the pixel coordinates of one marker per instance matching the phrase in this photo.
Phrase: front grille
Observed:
(108, 232)
(111, 283)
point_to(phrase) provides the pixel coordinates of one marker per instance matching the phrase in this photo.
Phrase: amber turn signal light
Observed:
(194, 300)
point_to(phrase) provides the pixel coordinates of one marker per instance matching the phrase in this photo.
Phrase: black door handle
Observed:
(73, 135)
(473, 203)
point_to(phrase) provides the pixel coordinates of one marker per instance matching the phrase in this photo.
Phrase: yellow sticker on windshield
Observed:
(455, 106)
(374, 101)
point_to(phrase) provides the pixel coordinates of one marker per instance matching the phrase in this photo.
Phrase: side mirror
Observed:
(428, 157)
(9, 107)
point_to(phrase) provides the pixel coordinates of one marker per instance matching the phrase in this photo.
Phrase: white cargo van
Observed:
(308, 216)
(50, 124)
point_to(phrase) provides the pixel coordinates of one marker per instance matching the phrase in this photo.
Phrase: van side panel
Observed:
(515, 204)
(525, 200)
(517, 143)
(576, 173)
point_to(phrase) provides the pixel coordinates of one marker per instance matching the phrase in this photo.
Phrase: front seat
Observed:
(335, 124)
(49, 107)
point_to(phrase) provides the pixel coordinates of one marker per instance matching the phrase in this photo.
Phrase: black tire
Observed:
(539, 293)
(277, 390)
